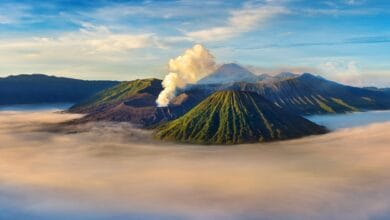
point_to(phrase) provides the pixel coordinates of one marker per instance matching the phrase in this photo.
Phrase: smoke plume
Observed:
(194, 64)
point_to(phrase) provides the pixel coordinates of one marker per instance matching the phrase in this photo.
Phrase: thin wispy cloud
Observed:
(240, 21)
(101, 39)
(340, 12)
(13, 13)
(355, 40)
(89, 39)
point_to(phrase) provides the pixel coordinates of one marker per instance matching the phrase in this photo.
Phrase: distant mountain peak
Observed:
(229, 73)
(285, 75)
(233, 69)
(310, 76)
(232, 65)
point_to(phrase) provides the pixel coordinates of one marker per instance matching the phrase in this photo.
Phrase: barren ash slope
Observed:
(235, 117)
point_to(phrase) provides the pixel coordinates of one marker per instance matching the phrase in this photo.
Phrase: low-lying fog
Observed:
(117, 172)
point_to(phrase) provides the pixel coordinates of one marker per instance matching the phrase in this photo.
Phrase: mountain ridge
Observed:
(305, 94)
(236, 117)
(41, 88)
(133, 101)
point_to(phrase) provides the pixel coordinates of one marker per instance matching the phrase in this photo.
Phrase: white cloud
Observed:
(345, 72)
(243, 20)
(352, 2)
(101, 39)
(164, 10)
(114, 43)
(90, 50)
(89, 39)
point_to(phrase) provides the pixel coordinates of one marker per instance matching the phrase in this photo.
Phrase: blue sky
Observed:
(344, 40)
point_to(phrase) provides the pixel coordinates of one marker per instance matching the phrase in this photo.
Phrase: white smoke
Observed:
(194, 64)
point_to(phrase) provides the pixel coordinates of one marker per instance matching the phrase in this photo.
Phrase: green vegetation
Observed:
(341, 102)
(121, 92)
(322, 98)
(324, 106)
(233, 117)
(367, 99)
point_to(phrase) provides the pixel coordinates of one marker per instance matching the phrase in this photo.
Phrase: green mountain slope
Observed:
(134, 102)
(233, 117)
(138, 92)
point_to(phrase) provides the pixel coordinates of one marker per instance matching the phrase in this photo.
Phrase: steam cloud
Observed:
(193, 65)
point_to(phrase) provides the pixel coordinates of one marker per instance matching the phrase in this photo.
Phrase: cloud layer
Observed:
(104, 173)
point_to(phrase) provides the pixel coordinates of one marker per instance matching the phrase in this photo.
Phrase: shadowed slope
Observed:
(39, 88)
(309, 94)
(233, 117)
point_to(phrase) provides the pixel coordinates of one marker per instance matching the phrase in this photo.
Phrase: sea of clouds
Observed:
(116, 171)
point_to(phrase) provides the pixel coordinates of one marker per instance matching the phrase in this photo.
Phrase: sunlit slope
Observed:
(141, 92)
(233, 117)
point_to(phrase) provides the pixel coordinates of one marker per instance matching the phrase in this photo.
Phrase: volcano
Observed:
(229, 73)
(236, 117)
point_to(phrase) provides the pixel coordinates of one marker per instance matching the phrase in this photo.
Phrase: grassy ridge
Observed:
(120, 93)
(233, 117)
